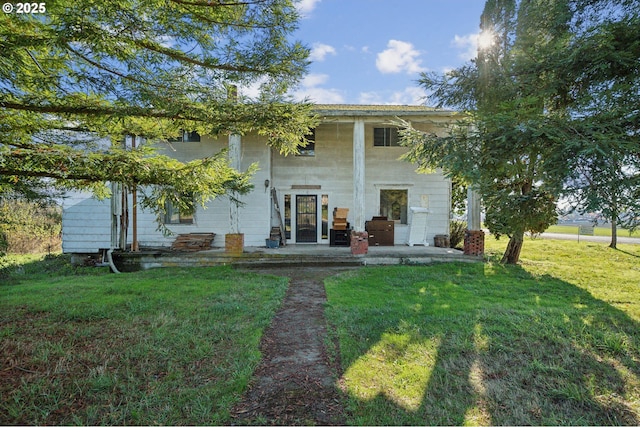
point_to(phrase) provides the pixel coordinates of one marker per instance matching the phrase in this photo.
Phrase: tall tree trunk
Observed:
(512, 253)
(614, 234)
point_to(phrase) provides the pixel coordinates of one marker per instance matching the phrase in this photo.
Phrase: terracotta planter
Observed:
(234, 244)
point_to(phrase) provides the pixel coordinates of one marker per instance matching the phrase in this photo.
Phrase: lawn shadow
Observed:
(485, 344)
(14, 272)
(628, 253)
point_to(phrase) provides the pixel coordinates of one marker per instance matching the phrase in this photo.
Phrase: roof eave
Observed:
(342, 110)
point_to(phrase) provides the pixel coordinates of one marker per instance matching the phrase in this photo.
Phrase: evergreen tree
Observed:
(76, 73)
(604, 146)
(522, 97)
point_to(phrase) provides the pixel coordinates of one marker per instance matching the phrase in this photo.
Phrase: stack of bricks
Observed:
(359, 242)
(474, 242)
(340, 218)
(234, 244)
(193, 242)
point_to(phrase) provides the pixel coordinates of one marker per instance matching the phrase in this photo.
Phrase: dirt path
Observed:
(295, 382)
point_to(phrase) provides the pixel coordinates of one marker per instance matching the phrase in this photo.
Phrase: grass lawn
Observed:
(165, 346)
(597, 231)
(555, 340)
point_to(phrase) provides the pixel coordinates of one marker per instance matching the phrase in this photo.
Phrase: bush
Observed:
(457, 230)
(3, 254)
(29, 227)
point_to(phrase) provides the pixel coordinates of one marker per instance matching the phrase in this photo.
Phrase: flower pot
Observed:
(234, 243)
(272, 244)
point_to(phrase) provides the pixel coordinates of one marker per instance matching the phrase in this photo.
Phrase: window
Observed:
(394, 205)
(310, 149)
(385, 137)
(173, 214)
(287, 216)
(325, 216)
(192, 136)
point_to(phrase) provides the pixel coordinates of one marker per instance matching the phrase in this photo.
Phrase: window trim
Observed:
(191, 136)
(183, 218)
(389, 137)
(406, 213)
(310, 149)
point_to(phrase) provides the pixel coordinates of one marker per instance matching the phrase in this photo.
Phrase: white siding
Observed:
(332, 169)
(255, 220)
(86, 223)
(385, 170)
(254, 213)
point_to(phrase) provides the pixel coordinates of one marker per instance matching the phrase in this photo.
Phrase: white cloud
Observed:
(371, 98)
(468, 44)
(409, 96)
(399, 57)
(310, 89)
(320, 51)
(253, 90)
(305, 7)
(311, 79)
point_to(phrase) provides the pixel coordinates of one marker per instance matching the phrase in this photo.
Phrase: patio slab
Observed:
(300, 255)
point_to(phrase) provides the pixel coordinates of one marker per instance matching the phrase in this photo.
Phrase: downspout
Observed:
(115, 190)
(113, 267)
(134, 213)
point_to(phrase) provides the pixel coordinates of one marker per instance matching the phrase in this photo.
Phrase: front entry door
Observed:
(306, 219)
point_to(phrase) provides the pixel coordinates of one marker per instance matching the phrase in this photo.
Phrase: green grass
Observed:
(165, 346)
(555, 340)
(597, 231)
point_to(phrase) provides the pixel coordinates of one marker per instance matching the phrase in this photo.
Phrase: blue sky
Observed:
(372, 51)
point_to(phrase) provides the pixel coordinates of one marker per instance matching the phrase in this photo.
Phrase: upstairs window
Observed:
(310, 149)
(385, 137)
(186, 136)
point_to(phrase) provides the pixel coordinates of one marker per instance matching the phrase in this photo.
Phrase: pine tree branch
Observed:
(114, 72)
(181, 57)
(87, 110)
(217, 3)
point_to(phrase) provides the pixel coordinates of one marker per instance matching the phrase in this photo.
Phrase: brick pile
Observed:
(193, 242)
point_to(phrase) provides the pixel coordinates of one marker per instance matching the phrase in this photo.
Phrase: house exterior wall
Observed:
(254, 214)
(330, 169)
(330, 172)
(86, 223)
(432, 191)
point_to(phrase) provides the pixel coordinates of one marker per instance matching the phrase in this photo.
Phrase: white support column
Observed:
(235, 156)
(473, 210)
(358, 176)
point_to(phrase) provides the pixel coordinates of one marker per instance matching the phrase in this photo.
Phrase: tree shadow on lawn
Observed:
(483, 344)
(628, 253)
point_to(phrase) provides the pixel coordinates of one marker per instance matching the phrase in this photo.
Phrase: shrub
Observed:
(29, 227)
(456, 233)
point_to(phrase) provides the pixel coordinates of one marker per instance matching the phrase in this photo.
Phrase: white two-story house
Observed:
(353, 164)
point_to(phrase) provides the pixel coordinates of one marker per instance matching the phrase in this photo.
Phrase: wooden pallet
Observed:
(193, 242)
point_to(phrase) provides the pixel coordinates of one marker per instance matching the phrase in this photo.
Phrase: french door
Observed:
(306, 219)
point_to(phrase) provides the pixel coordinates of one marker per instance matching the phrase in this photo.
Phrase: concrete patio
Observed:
(300, 255)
